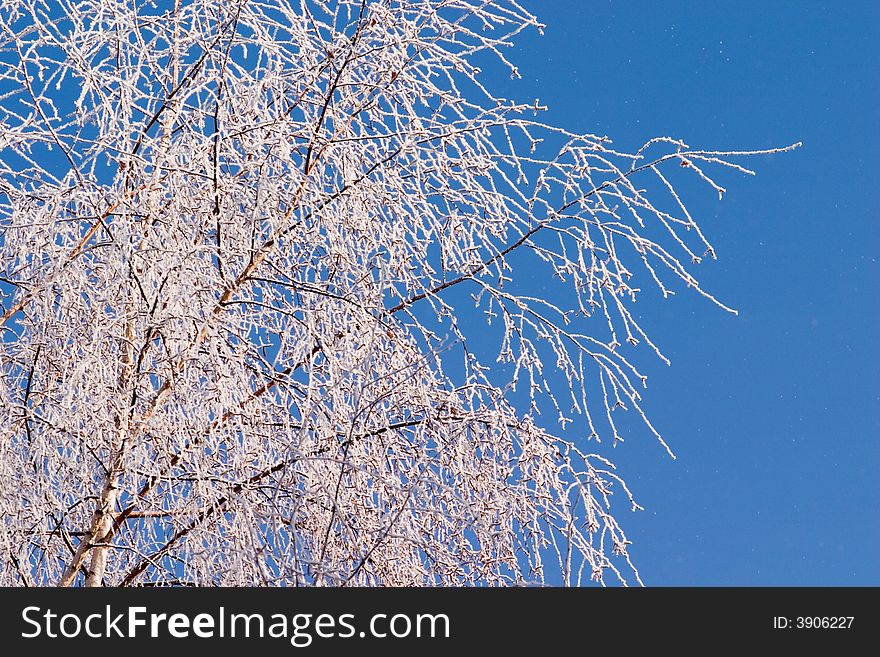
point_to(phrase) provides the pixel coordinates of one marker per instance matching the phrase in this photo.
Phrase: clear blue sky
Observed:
(774, 414)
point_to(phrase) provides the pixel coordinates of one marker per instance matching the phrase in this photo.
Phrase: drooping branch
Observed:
(239, 312)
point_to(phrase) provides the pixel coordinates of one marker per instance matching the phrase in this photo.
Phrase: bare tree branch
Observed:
(237, 348)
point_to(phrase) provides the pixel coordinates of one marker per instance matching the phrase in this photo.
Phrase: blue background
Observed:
(774, 414)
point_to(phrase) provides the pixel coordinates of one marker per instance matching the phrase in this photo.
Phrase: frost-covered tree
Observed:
(252, 254)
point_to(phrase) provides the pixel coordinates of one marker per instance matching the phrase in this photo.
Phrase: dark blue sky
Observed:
(774, 414)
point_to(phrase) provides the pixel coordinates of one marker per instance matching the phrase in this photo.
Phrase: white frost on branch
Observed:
(237, 239)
